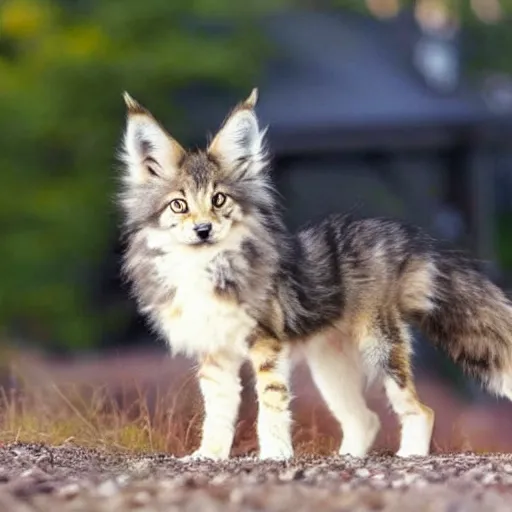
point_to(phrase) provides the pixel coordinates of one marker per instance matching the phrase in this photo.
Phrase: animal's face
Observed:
(193, 198)
(200, 211)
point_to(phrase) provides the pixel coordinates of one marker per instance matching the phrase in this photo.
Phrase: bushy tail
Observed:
(471, 319)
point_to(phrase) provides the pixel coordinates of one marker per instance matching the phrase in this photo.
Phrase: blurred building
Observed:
(376, 116)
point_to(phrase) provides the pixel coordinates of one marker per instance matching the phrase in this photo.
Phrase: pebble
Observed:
(107, 489)
(69, 491)
(292, 474)
(142, 467)
(220, 478)
(232, 485)
(44, 459)
(410, 478)
(141, 498)
(35, 473)
(122, 479)
(489, 479)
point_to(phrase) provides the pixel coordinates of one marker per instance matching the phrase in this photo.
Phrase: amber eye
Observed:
(218, 199)
(179, 206)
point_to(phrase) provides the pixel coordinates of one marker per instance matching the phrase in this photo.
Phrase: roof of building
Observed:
(346, 81)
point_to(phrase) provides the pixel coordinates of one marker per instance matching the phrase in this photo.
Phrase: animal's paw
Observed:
(199, 455)
(358, 441)
(279, 451)
(406, 453)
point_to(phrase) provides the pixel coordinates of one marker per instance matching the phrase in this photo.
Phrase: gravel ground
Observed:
(69, 478)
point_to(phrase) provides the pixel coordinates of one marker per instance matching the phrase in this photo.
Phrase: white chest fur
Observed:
(198, 321)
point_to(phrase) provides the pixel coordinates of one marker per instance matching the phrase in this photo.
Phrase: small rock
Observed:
(220, 478)
(193, 481)
(292, 474)
(489, 479)
(362, 472)
(335, 475)
(141, 498)
(398, 484)
(312, 473)
(44, 459)
(43, 487)
(142, 467)
(37, 474)
(70, 491)
(410, 478)
(122, 479)
(107, 489)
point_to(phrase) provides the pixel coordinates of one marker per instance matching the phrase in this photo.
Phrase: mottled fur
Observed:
(345, 291)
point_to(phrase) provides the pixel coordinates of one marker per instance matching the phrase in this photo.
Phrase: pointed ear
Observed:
(239, 144)
(149, 151)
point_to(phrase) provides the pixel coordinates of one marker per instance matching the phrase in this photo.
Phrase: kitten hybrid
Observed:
(221, 279)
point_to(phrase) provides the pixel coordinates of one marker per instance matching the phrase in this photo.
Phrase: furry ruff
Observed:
(219, 277)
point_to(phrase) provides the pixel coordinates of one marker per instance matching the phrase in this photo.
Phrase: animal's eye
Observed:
(218, 199)
(178, 206)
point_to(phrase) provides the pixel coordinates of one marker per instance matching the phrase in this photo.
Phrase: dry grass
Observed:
(94, 416)
(155, 407)
(138, 419)
(130, 415)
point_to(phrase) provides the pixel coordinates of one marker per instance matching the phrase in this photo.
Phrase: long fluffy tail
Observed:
(471, 319)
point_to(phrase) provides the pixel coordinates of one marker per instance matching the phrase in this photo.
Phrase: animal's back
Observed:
(388, 265)
(366, 265)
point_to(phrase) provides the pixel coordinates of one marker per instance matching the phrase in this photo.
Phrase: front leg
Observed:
(270, 360)
(219, 380)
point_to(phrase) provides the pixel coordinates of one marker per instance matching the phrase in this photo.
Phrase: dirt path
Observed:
(66, 478)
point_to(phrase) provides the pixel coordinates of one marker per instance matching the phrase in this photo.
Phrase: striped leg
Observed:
(270, 360)
(219, 380)
(417, 419)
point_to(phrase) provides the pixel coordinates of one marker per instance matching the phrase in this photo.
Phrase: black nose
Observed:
(203, 230)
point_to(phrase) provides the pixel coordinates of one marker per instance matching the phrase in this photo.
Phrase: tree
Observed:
(63, 67)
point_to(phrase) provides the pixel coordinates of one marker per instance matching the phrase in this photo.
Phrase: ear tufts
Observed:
(133, 106)
(239, 144)
(148, 149)
(251, 101)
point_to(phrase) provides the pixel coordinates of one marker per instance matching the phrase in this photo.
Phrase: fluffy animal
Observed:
(218, 275)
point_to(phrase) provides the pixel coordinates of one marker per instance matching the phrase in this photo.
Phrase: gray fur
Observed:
(340, 271)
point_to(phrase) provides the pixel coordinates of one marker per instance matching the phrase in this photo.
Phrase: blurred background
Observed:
(381, 107)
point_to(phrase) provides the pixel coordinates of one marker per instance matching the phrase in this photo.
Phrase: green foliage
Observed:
(63, 67)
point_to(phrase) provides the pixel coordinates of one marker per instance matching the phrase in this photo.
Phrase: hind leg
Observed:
(417, 420)
(337, 373)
